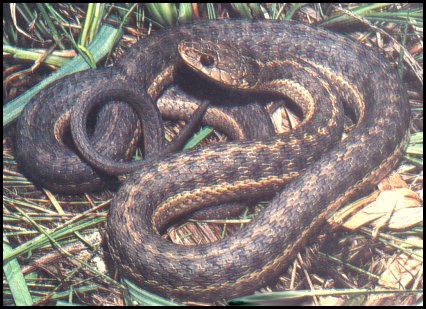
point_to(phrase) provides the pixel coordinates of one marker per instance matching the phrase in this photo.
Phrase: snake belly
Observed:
(182, 183)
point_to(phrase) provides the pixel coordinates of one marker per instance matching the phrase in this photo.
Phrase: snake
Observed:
(47, 154)
(278, 57)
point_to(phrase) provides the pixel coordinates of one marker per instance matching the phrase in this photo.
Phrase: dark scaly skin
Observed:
(50, 162)
(258, 253)
(366, 75)
(39, 146)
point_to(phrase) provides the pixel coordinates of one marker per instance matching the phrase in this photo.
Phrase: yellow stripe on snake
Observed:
(313, 174)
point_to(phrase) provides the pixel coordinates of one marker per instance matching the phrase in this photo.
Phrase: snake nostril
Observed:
(207, 60)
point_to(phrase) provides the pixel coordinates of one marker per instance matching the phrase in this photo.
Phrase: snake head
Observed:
(224, 62)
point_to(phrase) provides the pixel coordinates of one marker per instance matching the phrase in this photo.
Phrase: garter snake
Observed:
(180, 183)
(42, 129)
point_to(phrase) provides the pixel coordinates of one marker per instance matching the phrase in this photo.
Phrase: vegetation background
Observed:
(52, 248)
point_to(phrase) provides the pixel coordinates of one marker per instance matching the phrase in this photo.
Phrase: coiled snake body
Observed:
(180, 183)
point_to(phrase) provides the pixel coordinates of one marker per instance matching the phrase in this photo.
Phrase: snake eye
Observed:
(207, 60)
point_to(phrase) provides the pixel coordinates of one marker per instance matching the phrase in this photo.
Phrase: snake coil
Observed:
(266, 56)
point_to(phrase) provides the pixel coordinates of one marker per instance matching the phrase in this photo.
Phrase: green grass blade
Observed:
(99, 48)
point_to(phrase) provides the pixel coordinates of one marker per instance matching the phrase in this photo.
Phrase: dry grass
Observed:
(375, 242)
